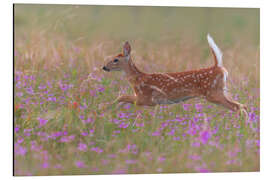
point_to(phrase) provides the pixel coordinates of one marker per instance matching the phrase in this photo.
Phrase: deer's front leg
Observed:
(127, 99)
(122, 100)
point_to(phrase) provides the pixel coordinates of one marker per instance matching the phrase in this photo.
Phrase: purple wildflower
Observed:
(35, 147)
(84, 133)
(30, 90)
(205, 136)
(252, 116)
(67, 138)
(231, 161)
(195, 119)
(178, 119)
(203, 170)
(186, 106)
(20, 140)
(42, 122)
(88, 120)
(121, 115)
(93, 93)
(164, 124)
(97, 149)
(195, 157)
(120, 171)
(115, 132)
(20, 150)
(81, 117)
(19, 94)
(58, 166)
(111, 155)
(116, 121)
(196, 144)
(156, 133)
(27, 132)
(41, 87)
(131, 161)
(139, 124)
(171, 133)
(177, 138)
(101, 89)
(53, 99)
(192, 131)
(82, 147)
(127, 106)
(105, 161)
(91, 132)
(45, 165)
(57, 134)
(258, 143)
(80, 164)
(161, 159)
(123, 125)
(16, 129)
(198, 107)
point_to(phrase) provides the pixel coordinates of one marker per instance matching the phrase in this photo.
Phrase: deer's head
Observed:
(119, 62)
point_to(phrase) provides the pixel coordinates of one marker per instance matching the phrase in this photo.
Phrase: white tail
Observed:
(216, 51)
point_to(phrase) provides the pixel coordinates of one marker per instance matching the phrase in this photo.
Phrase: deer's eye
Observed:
(115, 60)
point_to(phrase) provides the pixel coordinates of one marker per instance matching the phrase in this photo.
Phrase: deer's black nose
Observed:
(105, 69)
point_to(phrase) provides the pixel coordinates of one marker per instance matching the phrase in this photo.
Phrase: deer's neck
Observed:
(131, 71)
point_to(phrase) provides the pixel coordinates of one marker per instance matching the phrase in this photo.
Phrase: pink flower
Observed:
(111, 155)
(16, 129)
(199, 107)
(20, 140)
(84, 133)
(161, 159)
(58, 166)
(42, 122)
(82, 147)
(139, 124)
(186, 106)
(19, 150)
(196, 144)
(203, 170)
(195, 157)
(171, 133)
(97, 149)
(91, 132)
(205, 136)
(88, 120)
(131, 161)
(123, 125)
(80, 164)
(157, 133)
(67, 138)
(45, 165)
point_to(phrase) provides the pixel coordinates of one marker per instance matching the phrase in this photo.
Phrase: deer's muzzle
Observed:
(105, 68)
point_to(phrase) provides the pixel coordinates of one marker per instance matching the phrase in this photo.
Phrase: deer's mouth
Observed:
(105, 69)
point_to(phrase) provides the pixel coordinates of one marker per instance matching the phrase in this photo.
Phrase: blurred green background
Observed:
(157, 24)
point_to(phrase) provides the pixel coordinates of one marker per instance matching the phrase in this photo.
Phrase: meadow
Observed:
(60, 89)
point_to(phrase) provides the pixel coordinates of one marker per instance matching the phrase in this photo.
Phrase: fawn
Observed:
(170, 88)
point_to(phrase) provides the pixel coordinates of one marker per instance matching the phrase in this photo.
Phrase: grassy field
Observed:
(59, 84)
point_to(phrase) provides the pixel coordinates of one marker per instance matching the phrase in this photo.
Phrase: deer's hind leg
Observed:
(221, 98)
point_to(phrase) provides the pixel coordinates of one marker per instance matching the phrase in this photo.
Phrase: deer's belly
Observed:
(163, 100)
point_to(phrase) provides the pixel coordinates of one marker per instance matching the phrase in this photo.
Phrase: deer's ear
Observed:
(126, 49)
